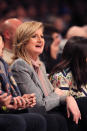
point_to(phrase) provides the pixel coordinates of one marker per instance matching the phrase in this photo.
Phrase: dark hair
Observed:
(50, 29)
(48, 41)
(46, 55)
(74, 56)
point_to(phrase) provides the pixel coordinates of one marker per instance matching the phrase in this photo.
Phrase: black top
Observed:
(49, 62)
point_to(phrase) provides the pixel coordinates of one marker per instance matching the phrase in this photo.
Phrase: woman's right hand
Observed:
(73, 108)
(5, 99)
(24, 101)
(18, 102)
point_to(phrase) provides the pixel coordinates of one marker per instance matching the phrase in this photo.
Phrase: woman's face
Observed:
(35, 45)
(56, 37)
(54, 49)
(1, 46)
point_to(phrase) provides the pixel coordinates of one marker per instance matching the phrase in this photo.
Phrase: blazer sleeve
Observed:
(24, 78)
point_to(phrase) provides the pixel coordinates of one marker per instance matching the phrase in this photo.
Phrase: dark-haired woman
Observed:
(50, 56)
(32, 78)
(70, 75)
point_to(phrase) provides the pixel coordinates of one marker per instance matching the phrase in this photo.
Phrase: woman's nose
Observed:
(39, 38)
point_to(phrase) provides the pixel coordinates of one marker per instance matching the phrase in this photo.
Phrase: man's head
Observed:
(8, 29)
(75, 31)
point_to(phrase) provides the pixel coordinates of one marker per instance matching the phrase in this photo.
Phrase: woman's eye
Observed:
(42, 36)
(34, 36)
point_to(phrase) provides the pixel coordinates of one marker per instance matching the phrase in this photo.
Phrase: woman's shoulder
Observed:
(56, 76)
(19, 60)
(64, 73)
(20, 64)
(62, 78)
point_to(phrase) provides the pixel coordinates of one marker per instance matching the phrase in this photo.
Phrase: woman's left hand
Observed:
(73, 108)
(31, 99)
(19, 102)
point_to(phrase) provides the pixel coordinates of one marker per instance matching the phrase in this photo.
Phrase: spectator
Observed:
(11, 102)
(50, 56)
(8, 29)
(72, 31)
(21, 12)
(31, 75)
(32, 12)
(71, 74)
(75, 31)
(59, 24)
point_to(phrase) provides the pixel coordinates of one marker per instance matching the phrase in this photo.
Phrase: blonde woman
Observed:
(30, 75)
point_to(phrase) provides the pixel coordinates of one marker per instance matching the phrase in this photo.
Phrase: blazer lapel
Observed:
(37, 79)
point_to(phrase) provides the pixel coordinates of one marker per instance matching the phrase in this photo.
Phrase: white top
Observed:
(8, 55)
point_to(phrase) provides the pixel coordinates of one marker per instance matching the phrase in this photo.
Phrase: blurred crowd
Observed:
(62, 14)
(45, 44)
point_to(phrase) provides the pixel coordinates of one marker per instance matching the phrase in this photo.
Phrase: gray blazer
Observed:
(28, 82)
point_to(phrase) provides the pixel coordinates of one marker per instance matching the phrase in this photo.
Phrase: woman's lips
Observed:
(39, 46)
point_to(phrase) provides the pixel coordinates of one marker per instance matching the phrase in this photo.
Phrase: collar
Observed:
(66, 71)
(36, 63)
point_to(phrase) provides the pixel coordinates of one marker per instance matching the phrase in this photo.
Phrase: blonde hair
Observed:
(23, 34)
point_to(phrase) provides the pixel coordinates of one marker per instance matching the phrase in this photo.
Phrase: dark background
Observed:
(73, 12)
